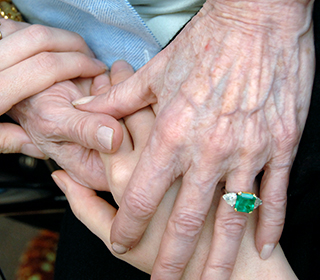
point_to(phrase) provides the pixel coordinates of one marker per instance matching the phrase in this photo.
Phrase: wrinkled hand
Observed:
(45, 56)
(32, 59)
(71, 137)
(98, 215)
(233, 91)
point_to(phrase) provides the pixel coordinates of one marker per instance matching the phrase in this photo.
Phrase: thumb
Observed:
(100, 132)
(13, 139)
(122, 99)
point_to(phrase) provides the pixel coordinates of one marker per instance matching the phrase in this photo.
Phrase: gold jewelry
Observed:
(242, 201)
(9, 11)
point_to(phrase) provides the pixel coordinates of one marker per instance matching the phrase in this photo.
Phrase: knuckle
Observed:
(275, 201)
(7, 145)
(39, 34)
(140, 204)
(289, 137)
(220, 268)
(187, 225)
(232, 225)
(46, 61)
(171, 266)
(120, 174)
(9, 25)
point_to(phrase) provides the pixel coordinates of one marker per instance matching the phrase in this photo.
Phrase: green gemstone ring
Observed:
(242, 201)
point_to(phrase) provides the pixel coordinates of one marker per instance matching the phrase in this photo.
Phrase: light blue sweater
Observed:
(111, 28)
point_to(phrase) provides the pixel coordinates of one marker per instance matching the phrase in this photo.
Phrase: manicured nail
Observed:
(266, 251)
(83, 100)
(59, 182)
(119, 249)
(32, 151)
(105, 136)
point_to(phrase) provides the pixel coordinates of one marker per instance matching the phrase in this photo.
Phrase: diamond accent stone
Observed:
(257, 203)
(230, 198)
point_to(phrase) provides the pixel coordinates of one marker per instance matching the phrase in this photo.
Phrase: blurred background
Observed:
(31, 210)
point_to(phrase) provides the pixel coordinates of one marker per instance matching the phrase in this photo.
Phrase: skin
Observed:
(24, 72)
(233, 91)
(98, 215)
(35, 59)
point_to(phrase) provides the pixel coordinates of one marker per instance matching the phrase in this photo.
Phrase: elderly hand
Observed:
(35, 58)
(98, 215)
(233, 91)
(32, 59)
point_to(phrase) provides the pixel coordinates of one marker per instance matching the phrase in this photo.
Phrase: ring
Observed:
(242, 201)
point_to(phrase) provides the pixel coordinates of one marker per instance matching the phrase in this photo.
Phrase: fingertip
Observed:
(32, 151)
(110, 137)
(266, 251)
(100, 84)
(119, 249)
(120, 71)
(59, 182)
(121, 65)
(83, 101)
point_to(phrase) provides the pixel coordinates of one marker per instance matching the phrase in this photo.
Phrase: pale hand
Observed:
(32, 59)
(233, 91)
(98, 215)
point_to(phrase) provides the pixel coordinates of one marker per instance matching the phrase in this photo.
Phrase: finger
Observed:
(184, 227)
(100, 84)
(93, 131)
(272, 212)
(34, 39)
(123, 153)
(82, 165)
(91, 210)
(120, 71)
(9, 26)
(40, 72)
(13, 139)
(148, 184)
(140, 126)
(229, 229)
(122, 99)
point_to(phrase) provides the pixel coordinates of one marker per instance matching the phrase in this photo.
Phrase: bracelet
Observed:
(9, 11)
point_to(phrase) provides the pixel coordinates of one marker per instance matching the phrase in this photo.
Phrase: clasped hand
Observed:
(233, 93)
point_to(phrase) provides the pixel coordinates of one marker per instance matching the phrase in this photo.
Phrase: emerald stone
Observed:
(245, 202)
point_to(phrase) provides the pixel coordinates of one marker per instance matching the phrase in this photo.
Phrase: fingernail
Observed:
(266, 251)
(100, 63)
(101, 81)
(32, 151)
(105, 136)
(121, 65)
(119, 249)
(59, 182)
(83, 100)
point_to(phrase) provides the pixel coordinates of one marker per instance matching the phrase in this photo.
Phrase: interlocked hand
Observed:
(233, 91)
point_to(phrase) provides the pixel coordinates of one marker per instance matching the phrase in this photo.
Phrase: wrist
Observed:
(262, 14)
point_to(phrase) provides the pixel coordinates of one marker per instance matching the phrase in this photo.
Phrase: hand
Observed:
(98, 215)
(69, 136)
(32, 59)
(233, 91)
